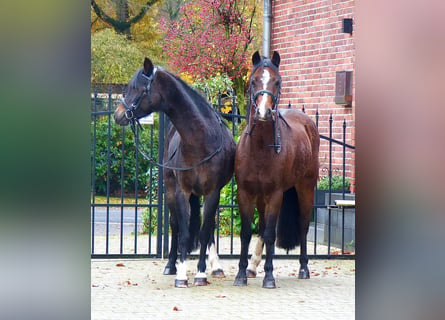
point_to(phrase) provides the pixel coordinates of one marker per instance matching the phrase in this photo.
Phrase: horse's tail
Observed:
(195, 223)
(288, 231)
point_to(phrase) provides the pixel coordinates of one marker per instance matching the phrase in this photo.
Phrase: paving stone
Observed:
(137, 289)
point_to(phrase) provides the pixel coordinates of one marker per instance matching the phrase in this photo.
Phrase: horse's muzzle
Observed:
(266, 116)
(120, 115)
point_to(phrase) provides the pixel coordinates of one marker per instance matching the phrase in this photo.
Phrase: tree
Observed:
(114, 59)
(144, 34)
(210, 38)
(170, 9)
(122, 22)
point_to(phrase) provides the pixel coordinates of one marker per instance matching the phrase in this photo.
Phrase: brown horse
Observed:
(199, 153)
(276, 170)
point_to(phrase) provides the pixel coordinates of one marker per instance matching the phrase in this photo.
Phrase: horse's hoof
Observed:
(199, 282)
(181, 283)
(269, 284)
(168, 271)
(303, 274)
(251, 274)
(218, 273)
(240, 282)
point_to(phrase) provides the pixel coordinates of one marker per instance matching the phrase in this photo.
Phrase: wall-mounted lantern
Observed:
(343, 88)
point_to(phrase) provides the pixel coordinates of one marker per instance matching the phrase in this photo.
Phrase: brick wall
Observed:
(308, 35)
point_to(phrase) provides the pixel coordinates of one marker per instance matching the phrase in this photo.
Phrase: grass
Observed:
(114, 200)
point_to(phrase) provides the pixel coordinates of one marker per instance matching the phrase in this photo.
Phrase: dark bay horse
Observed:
(199, 160)
(276, 170)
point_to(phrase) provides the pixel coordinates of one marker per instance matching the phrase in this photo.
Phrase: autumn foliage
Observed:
(210, 38)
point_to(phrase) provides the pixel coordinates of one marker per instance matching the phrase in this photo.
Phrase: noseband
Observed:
(275, 99)
(129, 113)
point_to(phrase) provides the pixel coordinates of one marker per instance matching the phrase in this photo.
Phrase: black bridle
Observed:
(275, 98)
(129, 113)
(253, 96)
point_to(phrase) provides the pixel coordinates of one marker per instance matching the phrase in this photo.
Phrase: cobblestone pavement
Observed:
(137, 289)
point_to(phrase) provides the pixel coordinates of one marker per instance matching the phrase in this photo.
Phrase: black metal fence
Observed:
(129, 216)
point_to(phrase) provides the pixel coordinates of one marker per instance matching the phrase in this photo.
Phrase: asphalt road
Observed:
(115, 215)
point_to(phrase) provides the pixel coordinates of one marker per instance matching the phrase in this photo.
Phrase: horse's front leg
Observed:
(206, 238)
(183, 214)
(271, 217)
(246, 207)
(170, 268)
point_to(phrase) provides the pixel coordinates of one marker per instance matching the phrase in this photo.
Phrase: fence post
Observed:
(330, 182)
(162, 223)
(93, 171)
(122, 187)
(107, 235)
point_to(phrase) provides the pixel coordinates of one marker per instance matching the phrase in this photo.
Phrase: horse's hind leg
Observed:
(306, 201)
(206, 234)
(215, 266)
(256, 258)
(258, 251)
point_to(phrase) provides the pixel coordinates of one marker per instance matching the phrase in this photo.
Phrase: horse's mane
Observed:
(197, 97)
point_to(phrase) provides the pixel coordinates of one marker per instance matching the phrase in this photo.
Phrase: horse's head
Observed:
(265, 85)
(140, 98)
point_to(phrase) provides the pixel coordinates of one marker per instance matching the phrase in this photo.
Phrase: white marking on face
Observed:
(181, 271)
(265, 78)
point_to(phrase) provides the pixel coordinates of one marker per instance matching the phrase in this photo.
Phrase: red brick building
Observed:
(313, 46)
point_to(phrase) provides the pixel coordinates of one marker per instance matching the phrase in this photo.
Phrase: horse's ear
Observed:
(256, 58)
(276, 58)
(148, 67)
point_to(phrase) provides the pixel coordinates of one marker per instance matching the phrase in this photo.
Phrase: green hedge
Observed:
(102, 124)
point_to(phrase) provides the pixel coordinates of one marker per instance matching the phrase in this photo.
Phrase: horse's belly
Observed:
(262, 185)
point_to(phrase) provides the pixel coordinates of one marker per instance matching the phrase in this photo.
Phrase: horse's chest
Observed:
(258, 182)
(263, 177)
(199, 184)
